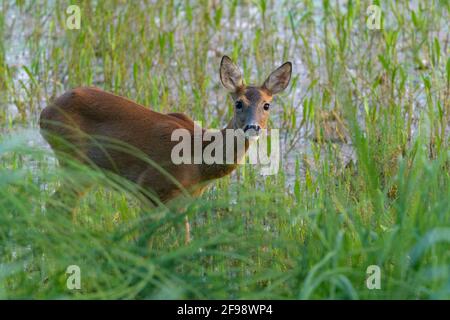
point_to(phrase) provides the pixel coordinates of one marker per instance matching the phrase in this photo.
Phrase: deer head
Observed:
(252, 103)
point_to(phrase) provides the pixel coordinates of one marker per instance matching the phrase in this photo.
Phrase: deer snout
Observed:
(254, 127)
(252, 130)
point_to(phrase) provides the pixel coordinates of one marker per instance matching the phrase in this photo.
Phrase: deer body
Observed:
(86, 112)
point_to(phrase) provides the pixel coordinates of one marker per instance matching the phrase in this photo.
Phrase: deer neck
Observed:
(230, 145)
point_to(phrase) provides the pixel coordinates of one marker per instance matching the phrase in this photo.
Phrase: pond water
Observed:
(295, 143)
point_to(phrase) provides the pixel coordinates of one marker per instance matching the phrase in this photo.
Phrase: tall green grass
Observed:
(308, 232)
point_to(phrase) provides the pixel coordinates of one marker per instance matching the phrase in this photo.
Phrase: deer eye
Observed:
(266, 106)
(239, 104)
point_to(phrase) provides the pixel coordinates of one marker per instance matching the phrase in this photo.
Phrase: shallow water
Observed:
(20, 25)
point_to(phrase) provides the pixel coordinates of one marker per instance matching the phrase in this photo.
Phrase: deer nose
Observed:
(254, 127)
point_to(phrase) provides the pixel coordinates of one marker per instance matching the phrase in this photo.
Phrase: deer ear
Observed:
(230, 75)
(279, 79)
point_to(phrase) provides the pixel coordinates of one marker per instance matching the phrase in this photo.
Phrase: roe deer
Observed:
(89, 112)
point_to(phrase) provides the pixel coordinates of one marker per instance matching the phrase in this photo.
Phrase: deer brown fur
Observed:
(82, 114)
